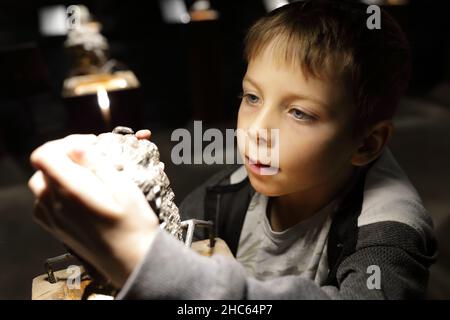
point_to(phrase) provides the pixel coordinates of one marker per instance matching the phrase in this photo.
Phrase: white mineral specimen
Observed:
(139, 159)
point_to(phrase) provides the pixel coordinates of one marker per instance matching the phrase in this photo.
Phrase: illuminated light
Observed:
(88, 84)
(52, 20)
(274, 4)
(201, 11)
(102, 98)
(120, 83)
(174, 11)
(104, 104)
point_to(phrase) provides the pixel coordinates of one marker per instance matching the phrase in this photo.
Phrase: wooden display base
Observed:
(64, 289)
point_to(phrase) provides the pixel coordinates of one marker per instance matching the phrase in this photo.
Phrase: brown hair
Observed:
(330, 39)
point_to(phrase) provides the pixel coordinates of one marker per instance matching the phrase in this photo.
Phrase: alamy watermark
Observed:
(374, 20)
(374, 280)
(73, 20)
(259, 147)
(73, 281)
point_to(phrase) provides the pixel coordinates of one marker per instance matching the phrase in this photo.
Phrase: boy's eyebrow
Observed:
(309, 98)
(293, 95)
(253, 82)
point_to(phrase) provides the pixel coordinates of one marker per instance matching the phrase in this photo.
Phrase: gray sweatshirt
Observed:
(392, 248)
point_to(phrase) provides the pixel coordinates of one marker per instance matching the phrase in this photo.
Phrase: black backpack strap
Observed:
(343, 234)
(227, 206)
(197, 204)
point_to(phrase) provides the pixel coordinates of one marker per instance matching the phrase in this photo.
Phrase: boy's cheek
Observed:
(242, 121)
(304, 159)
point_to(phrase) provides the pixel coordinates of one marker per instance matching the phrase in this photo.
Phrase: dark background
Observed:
(189, 72)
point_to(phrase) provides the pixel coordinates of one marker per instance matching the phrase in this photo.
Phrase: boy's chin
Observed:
(265, 186)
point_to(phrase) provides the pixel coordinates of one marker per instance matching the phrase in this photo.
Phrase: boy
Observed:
(337, 218)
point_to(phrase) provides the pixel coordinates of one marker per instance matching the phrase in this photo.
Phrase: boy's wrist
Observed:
(130, 257)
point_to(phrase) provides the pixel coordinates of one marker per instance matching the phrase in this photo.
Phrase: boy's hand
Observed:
(87, 204)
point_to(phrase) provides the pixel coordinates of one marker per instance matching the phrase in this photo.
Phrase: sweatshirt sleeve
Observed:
(172, 271)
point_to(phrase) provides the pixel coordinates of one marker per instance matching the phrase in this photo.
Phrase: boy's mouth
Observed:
(261, 168)
(257, 163)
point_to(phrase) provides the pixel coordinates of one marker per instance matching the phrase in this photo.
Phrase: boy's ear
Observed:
(373, 142)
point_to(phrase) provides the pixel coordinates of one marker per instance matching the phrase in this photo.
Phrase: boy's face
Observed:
(314, 121)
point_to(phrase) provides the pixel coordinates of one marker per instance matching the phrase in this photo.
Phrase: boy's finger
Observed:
(76, 180)
(118, 185)
(143, 134)
(71, 142)
(81, 138)
(38, 184)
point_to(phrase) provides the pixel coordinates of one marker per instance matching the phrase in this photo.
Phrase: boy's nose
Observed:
(259, 136)
(260, 130)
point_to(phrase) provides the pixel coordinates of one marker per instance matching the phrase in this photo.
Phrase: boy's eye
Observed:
(251, 98)
(300, 115)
